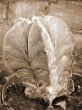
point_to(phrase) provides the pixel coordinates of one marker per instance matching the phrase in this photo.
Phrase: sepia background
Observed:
(69, 10)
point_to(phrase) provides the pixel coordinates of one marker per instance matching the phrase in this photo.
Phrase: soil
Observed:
(16, 99)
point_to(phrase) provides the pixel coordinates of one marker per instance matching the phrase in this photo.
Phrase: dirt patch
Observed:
(16, 99)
